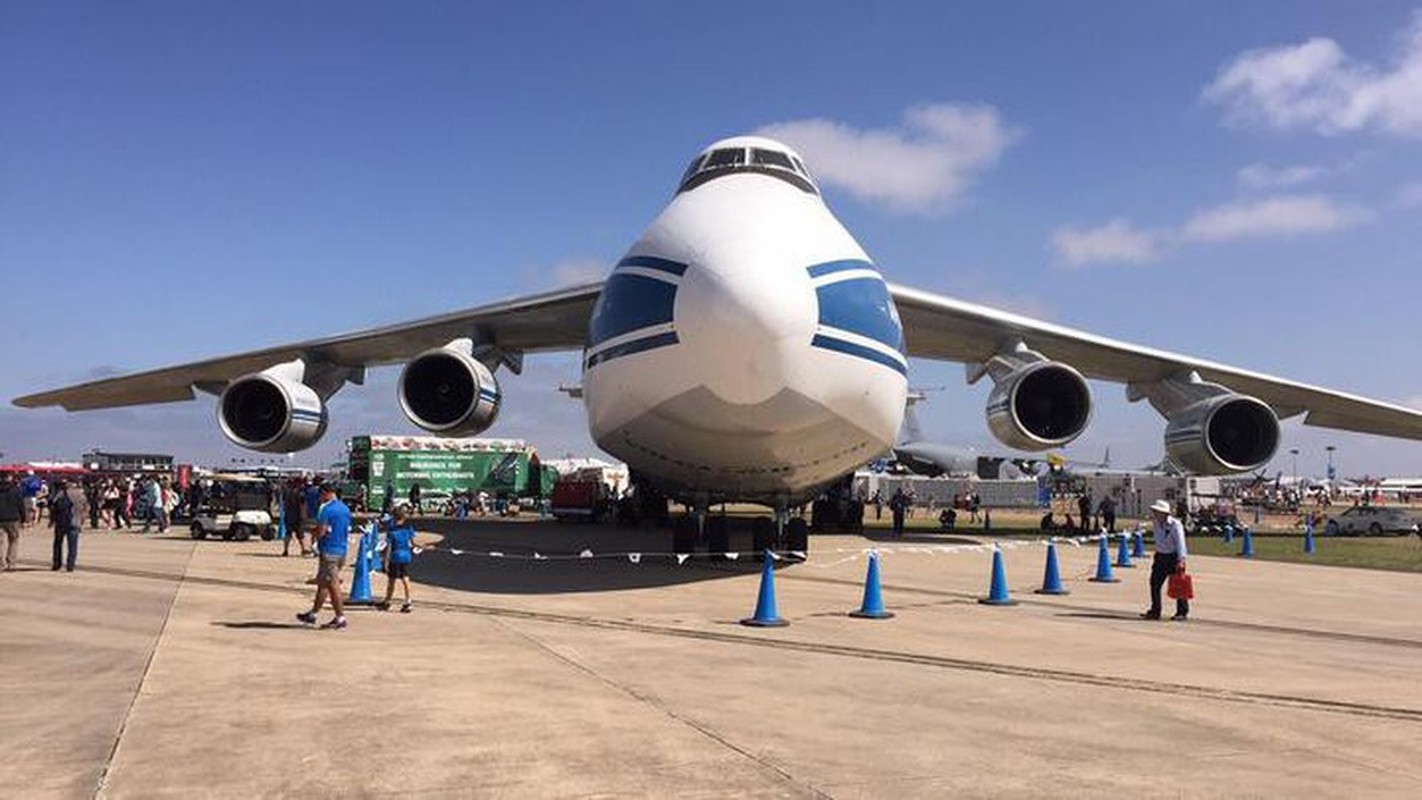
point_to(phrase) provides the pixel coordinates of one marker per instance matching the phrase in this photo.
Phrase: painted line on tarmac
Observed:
(865, 653)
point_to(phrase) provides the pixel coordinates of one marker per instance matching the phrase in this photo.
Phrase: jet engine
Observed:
(1038, 404)
(270, 412)
(1223, 434)
(450, 392)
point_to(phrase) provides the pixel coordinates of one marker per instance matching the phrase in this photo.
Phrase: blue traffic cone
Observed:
(997, 593)
(1052, 576)
(1308, 539)
(360, 584)
(1228, 533)
(1103, 564)
(1248, 549)
(1139, 551)
(766, 615)
(1123, 553)
(873, 605)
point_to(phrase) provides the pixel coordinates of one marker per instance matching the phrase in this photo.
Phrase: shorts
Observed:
(330, 569)
(397, 570)
(31, 504)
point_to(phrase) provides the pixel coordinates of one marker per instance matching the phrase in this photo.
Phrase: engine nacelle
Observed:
(1040, 405)
(1223, 434)
(271, 413)
(447, 391)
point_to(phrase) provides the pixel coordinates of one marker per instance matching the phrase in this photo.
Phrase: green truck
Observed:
(443, 468)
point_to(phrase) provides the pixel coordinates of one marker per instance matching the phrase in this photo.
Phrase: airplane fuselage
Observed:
(746, 347)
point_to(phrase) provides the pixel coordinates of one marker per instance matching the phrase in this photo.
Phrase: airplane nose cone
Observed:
(745, 326)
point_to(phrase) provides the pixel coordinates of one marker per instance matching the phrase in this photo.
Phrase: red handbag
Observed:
(1180, 586)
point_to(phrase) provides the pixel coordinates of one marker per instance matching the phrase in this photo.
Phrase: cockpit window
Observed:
(773, 158)
(726, 158)
(691, 169)
(732, 160)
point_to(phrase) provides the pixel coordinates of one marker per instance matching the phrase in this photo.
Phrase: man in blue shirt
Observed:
(399, 552)
(333, 526)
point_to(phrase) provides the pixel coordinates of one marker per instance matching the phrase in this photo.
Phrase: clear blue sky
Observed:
(1239, 181)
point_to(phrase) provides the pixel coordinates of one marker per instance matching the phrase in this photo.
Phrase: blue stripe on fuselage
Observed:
(628, 348)
(862, 306)
(820, 270)
(629, 303)
(652, 262)
(859, 351)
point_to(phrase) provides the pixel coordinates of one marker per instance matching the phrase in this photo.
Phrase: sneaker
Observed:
(405, 609)
(336, 624)
(307, 617)
(1150, 615)
(383, 605)
(1180, 617)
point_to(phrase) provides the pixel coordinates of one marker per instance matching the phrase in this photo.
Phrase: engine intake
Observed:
(1221, 435)
(1039, 405)
(449, 392)
(271, 414)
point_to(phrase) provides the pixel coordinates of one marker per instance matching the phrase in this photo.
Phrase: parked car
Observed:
(1371, 520)
(234, 507)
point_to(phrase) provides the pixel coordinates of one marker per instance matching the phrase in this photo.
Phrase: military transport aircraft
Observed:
(746, 348)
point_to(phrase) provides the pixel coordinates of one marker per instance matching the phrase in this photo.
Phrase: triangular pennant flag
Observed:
(635, 558)
(537, 556)
(681, 558)
(585, 554)
(496, 554)
(732, 556)
(456, 552)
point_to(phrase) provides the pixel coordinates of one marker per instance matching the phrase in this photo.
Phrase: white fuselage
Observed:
(745, 348)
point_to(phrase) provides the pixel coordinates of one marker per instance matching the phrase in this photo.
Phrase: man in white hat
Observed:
(1169, 558)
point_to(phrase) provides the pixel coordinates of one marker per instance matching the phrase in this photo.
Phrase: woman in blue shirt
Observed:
(399, 552)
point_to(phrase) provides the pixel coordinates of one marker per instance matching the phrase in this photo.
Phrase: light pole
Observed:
(1332, 474)
(1295, 453)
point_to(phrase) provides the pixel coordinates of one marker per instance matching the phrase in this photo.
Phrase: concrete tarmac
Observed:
(168, 667)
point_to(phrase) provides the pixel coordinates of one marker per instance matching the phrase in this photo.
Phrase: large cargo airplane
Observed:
(747, 348)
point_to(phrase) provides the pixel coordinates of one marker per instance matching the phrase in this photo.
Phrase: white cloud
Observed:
(1262, 176)
(925, 165)
(1279, 215)
(577, 271)
(1315, 85)
(1115, 242)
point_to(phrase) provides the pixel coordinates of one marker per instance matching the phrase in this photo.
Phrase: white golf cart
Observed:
(233, 507)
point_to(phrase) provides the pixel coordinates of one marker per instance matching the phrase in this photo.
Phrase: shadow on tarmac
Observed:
(611, 570)
(262, 625)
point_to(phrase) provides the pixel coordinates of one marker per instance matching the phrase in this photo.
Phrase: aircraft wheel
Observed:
(197, 531)
(718, 538)
(762, 534)
(797, 535)
(684, 535)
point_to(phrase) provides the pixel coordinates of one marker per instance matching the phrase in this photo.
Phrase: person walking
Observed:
(415, 498)
(399, 554)
(898, 505)
(64, 518)
(333, 526)
(292, 507)
(1170, 554)
(1107, 510)
(12, 516)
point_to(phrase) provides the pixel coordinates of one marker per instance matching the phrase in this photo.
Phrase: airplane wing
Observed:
(556, 320)
(940, 327)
